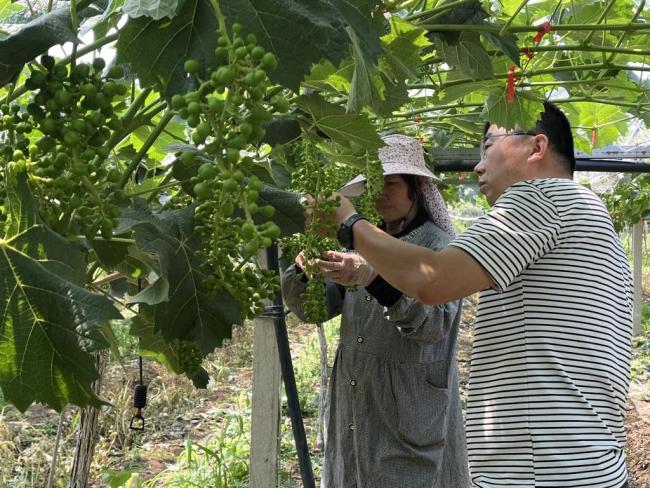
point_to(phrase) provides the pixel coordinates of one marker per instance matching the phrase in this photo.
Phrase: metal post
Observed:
(286, 366)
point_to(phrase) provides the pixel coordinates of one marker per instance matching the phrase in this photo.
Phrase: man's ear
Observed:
(539, 146)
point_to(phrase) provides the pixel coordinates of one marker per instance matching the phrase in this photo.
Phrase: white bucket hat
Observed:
(404, 155)
(401, 155)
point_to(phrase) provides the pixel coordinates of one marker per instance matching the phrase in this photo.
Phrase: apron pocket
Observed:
(421, 411)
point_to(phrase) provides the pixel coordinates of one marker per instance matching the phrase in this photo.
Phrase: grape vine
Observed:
(226, 113)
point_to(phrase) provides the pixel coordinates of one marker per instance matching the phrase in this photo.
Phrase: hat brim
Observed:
(356, 185)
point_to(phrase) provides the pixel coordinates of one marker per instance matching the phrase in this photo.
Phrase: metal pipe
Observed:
(582, 164)
(276, 311)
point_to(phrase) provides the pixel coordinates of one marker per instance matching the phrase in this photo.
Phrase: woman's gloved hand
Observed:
(346, 268)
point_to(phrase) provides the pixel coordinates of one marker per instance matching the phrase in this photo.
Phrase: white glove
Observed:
(346, 268)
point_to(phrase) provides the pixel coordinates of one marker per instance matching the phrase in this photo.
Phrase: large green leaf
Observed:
(8, 8)
(395, 96)
(289, 213)
(357, 15)
(523, 112)
(467, 54)
(506, 44)
(50, 322)
(402, 49)
(182, 308)
(35, 38)
(152, 344)
(157, 49)
(340, 127)
(325, 76)
(301, 33)
(467, 13)
(456, 92)
(155, 9)
(281, 130)
(367, 86)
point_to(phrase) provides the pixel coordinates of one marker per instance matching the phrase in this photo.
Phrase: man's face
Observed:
(394, 203)
(503, 158)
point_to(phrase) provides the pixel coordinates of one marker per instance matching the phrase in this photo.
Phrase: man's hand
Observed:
(343, 211)
(346, 268)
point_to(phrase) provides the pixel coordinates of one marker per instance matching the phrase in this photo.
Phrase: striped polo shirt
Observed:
(551, 355)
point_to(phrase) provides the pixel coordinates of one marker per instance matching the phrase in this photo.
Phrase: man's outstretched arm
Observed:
(428, 276)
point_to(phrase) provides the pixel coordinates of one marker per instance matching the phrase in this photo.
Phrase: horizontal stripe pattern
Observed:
(551, 354)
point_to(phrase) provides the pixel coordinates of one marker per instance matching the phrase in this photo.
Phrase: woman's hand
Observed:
(346, 268)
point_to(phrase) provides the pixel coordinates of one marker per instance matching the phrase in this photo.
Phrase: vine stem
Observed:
(527, 28)
(546, 71)
(126, 119)
(156, 189)
(438, 10)
(507, 25)
(145, 147)
(588, 48)
(410, 113)
(219, 14)
(122, 240)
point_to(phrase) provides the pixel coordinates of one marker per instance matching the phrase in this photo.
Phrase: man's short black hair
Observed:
(554, 125)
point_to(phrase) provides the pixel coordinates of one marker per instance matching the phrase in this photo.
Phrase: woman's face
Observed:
(394, 203)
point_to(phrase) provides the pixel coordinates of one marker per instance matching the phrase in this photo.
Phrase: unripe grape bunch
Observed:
(226, 114)
(59, 138)
(319, 178)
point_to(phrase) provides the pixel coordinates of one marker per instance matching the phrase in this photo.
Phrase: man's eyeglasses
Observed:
(492, 136)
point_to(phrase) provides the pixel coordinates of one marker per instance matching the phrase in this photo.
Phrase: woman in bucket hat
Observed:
(394, 416)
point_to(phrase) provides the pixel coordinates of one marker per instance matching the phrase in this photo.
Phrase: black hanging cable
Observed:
(140, 390)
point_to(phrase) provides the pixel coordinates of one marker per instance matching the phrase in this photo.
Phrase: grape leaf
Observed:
(402, 49)
(467, 54)
(522, 112)
(155, 9)
(506, 44)
(325, 76)
(50, 321)
(157, 49)
(303, 33)
(468, 13)
(35, 38)
(289, 213)
(367, 86)
(8, 8)
(339, 126)
(152, 344)
(181, 306)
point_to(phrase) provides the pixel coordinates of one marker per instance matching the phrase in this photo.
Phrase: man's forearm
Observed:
(432, 277)
(407, 267)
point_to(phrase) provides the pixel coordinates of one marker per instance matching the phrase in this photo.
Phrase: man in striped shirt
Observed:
(551, 353)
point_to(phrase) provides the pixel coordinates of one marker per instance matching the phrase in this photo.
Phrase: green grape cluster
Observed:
(374, 185)
(318, 178)
(227, 113)
(189, 356)
(60, 138)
